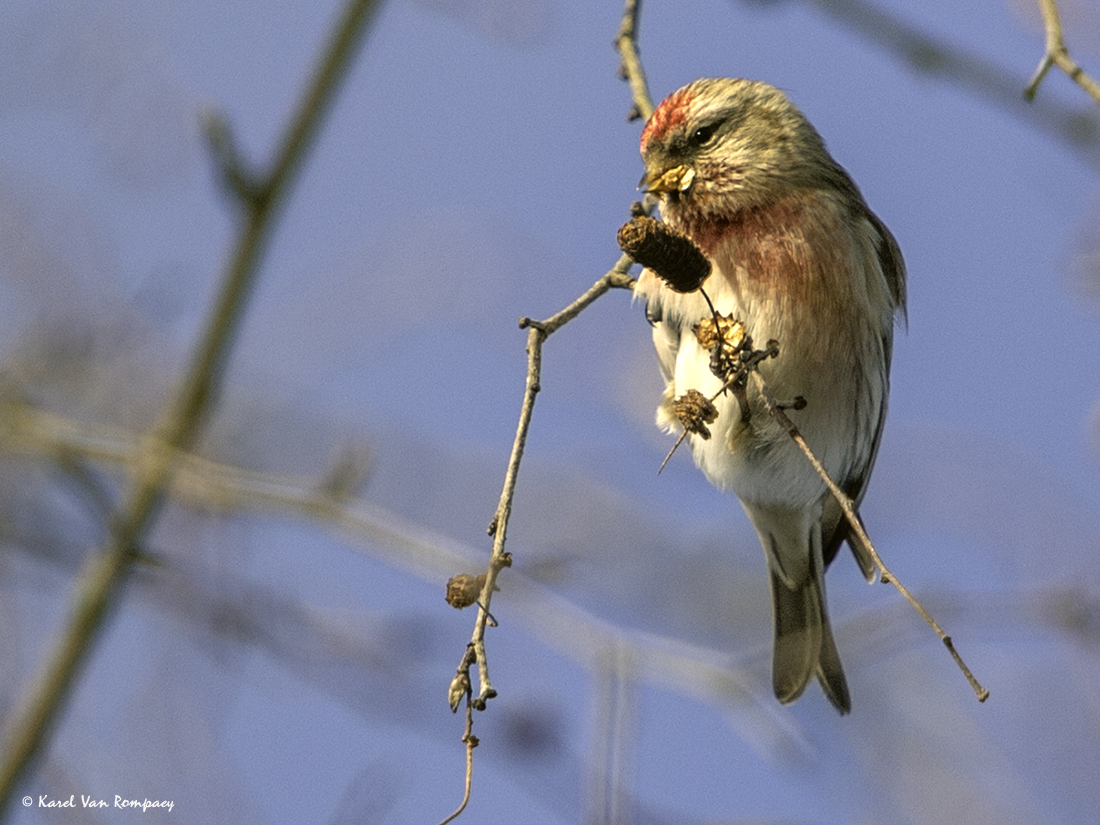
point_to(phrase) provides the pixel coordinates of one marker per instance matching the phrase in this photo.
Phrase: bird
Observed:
(797, 257)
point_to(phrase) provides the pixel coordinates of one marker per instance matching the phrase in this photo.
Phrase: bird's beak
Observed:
(677, 179)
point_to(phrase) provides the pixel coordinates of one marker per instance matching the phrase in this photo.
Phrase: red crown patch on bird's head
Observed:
(672, 112)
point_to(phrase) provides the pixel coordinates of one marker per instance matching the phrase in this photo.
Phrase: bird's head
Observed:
(721, 145)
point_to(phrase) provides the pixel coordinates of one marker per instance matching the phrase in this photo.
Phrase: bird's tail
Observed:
(804, 644)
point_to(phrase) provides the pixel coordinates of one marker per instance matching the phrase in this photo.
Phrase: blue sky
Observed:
(474, 169)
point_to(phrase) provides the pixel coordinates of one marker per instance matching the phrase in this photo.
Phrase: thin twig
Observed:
(676, 445)
(100, 581)
(460, 689)
(1058, 55)
(776, 412)
(630, 69)
(471, 742)
(537, 333)
(969, 70)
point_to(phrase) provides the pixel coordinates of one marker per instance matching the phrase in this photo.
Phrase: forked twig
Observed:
(538, 331)
(1057, 54)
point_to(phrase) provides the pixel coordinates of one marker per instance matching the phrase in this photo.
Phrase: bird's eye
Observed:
(703, 134)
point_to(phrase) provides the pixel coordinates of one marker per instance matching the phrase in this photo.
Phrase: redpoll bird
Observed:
(796, 256)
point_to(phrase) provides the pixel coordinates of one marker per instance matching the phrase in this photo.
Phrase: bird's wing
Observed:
(835, 528)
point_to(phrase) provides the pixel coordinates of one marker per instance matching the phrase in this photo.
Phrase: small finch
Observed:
(797, 256)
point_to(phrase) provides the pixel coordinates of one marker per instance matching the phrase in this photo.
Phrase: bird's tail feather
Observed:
(804, 644)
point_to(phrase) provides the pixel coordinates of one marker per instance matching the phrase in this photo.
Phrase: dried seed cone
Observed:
(694, 411)
(463, 589)
(672, 255)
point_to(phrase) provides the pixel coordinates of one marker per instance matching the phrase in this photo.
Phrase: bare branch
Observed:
(99, 583)
(239, 181)
(1058, 55)
(968, 70)
(462, 681)
(630, 69)
(538, 332)
(673, 664)
(776, 411)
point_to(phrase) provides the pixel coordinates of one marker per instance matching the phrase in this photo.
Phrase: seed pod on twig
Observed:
(671, 254)
(694, 411)
(463, 589)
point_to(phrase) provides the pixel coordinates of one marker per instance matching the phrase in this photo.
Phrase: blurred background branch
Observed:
(100, 580)
(570, 630)
(965, 68)
(1057, 54)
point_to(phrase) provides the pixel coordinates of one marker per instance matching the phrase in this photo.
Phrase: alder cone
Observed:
(671, 254)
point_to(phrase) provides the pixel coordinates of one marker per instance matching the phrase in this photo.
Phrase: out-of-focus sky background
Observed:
(274, 669)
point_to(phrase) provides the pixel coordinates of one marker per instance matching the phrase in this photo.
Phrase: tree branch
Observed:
(538, 331)
(99, 583)
(1058, 55)
(971, 71)
(858, 532)
(631, 69)
(671, 663)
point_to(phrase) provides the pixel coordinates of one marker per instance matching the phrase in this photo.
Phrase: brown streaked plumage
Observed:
(797, 256)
